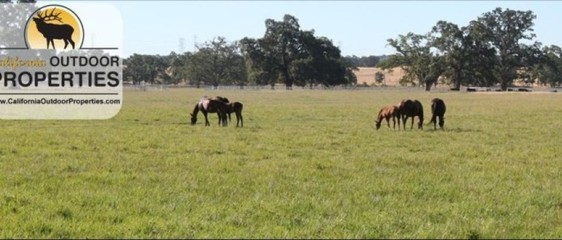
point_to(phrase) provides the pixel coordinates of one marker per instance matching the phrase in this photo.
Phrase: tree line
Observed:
(496, 49)
(285, 54)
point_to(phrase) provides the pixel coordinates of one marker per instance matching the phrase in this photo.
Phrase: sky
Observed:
(359, 28)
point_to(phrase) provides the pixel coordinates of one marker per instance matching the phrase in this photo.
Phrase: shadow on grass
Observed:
(459, 130)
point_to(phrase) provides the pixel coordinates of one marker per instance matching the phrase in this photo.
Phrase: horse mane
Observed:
(222, 99)
(195, 110)
(379, 116)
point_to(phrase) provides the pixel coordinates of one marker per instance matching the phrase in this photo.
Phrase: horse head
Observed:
(193, 119)
(378, 124)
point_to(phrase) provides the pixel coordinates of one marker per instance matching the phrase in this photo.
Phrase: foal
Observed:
(233, 107)
(387, 113)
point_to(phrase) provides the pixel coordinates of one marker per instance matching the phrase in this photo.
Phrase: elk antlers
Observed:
(50, 17)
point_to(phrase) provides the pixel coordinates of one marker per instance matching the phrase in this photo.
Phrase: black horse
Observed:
(438, 109)
(411, 108)
(206, 105)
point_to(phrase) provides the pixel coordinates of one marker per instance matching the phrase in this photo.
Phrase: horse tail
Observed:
(433, 111)
(433, 119)
(420, 109)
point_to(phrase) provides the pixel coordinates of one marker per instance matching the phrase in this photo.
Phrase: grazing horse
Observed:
(437, 111)
(387, 113)
(411, 108)
(233, 107)
(224, 100)
(206, 105)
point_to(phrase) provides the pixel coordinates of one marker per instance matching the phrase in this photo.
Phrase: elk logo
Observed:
(54, 22)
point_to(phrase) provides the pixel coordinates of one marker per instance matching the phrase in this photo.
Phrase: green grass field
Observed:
(307, 164)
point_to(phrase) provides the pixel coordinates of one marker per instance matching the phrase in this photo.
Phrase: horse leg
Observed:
(441, 121)
(387, 121)
(206, 119)
(223, 118)
(412, 125)
(434, 119)
(239, 115)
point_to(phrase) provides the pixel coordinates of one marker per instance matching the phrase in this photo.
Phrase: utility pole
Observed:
(181, 47)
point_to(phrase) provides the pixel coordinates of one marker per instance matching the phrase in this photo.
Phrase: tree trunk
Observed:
(503, 85)
(428, 86)
(429, 81)
(288, 80)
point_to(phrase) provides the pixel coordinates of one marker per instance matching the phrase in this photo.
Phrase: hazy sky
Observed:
(359, 27)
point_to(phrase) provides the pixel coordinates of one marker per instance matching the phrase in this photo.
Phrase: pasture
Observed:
(306, 164)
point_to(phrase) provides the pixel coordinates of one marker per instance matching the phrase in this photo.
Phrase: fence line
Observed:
(281, 87)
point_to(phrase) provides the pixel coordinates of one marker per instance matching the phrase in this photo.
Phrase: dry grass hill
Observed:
(366, 75)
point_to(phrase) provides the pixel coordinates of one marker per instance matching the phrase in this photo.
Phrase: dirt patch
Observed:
(366, 75)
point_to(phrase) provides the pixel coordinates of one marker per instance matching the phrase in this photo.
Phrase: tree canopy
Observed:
(290, 55)
(496, 48)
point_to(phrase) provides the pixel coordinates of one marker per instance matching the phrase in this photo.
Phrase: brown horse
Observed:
(206, 105)
(387, 113)
(411, 108)
(438, 109)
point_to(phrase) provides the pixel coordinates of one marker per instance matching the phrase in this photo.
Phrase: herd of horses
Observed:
(220, 105)
(410, 109)
(406, 109)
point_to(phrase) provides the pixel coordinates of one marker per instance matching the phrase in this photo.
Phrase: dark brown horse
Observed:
(206, 105)
(411, 108)
(438, 109)
(236, 107)
(387, 113)
(233, 107)
(224, 100)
